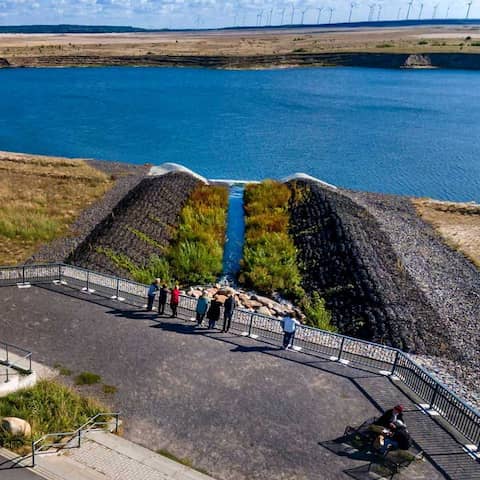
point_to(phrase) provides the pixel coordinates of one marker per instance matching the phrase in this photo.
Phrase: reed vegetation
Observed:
(269, 256)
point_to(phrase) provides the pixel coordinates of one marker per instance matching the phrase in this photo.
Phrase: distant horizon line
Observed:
(73, 28)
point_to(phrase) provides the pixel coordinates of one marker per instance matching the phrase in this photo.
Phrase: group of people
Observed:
(163, 297)
(212, 310)
(205, 307)
(391, 431)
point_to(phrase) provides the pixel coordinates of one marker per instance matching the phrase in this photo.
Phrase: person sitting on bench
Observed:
(391, 418)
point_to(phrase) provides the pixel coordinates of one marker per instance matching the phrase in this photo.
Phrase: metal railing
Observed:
(69, 440)
(337, 347)
(23, 362)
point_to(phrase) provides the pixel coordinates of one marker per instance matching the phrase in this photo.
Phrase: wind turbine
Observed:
(410, 3)
(469, 6)
(435, 9)
(283, 16)
(371, 12)
(303, 14)
(380, 7)
(259, 18)
(399, 13)
(421, 11)
(448, 11)
(331, 9)
(352, 6)
(270, 17)
(320, 10)
(293, 14)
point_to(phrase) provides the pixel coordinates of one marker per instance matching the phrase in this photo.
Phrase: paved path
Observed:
(9, 471)
(237, 408)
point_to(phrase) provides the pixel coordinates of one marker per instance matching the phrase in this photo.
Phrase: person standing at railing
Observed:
(152, 291)
(174, 300)
(229, 307)
(202, 307)
(162, 299)
(289, 324)
(213, 312)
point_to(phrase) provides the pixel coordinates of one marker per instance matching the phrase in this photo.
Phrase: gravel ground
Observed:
(127, 177)
(449, 281)
(458, 380)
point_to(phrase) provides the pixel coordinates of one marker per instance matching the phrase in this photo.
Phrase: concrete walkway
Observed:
(237, 408)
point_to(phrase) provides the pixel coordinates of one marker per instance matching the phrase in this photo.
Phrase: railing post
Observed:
(116, 423)
(59, 272)
(79, 438)
(33, 453)
(117, 293)
(251, 325)
(394, 366)
(341, 348)
(434, 395)
(30, 363)
(88, 281)
(6, 368)
(23, 274)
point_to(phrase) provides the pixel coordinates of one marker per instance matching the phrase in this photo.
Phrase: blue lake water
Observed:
(409, 132)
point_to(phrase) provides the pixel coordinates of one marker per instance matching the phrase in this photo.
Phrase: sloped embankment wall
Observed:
(350, 260)
(141, 224)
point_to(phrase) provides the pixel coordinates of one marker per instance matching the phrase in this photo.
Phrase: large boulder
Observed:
(16, 427)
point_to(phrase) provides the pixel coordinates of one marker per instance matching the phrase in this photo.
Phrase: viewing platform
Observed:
(235, 406)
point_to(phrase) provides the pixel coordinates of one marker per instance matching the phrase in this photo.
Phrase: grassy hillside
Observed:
(39, 199)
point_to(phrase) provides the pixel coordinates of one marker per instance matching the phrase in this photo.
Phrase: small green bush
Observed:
(87, 378)
(317, 314)
(109, 389)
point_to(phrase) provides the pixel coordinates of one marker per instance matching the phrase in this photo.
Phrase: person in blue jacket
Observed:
(202, 307)
(152, 291)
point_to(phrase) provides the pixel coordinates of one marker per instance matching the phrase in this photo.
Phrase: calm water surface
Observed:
(409, 132)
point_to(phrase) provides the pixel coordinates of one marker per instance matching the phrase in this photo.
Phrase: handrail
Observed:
(339, 347)
(15, 365)
(40, 445)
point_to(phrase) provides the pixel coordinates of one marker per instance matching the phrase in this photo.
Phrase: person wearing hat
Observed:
(152, 291)
(390, 418)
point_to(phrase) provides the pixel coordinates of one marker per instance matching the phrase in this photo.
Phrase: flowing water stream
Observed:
(235, 235)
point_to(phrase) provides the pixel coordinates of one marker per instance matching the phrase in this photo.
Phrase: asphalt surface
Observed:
(238, 408)
(9, 471)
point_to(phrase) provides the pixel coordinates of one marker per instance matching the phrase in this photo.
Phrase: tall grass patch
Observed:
(50, 407)
(269, 256)
(40, 197)
(196, 255)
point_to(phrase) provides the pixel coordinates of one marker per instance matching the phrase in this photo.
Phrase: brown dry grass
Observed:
(22, 49)
(39, 199)
(457, 223)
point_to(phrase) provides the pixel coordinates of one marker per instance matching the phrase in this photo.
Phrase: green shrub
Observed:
(109, 389)
(317, 314)
(87, 378)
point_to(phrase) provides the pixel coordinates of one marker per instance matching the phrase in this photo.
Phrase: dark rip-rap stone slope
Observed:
(370, 287)
(141, 225)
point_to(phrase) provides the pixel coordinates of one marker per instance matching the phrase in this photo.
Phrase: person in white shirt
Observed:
(289, 326)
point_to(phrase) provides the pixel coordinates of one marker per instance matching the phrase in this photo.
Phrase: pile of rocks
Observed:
(249, 301)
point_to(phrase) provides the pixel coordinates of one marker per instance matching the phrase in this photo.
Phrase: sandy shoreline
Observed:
(386, 47)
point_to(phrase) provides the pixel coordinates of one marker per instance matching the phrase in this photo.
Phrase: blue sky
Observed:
(213, 13)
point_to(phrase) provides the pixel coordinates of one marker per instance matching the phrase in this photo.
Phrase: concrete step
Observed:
(119, 459)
